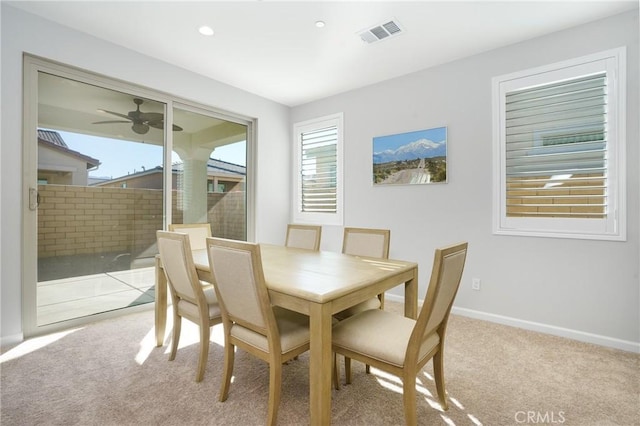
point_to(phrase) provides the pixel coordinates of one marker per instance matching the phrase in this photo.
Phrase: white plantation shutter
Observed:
(559, 133)
(318, 182)
(556, 149)
(318, 170)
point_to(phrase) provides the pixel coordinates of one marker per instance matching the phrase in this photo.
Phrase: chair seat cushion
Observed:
(293, 327)
(190, 310)
(373, 303)
(379, 335)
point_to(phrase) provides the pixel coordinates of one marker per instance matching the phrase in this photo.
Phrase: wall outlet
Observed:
(475, 283)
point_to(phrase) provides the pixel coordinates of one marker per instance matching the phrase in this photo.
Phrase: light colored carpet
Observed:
(109, 373)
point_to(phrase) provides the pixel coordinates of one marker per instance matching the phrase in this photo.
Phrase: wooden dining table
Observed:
(317, 284)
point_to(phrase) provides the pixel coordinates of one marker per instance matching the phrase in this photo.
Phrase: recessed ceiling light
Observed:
(205, 30)
(320, 24)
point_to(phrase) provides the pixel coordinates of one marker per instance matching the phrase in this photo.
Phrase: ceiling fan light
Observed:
(140, 128)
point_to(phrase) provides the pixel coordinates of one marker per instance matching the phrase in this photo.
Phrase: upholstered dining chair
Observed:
(198, 233)
(271, 333)
(370, 243)
(400, 345)
(191, 299)
(303, 236)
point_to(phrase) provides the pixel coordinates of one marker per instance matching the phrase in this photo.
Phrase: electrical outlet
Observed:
(475, 283)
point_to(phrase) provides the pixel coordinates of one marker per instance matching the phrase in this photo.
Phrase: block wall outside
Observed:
(539, 196)
(80, 220)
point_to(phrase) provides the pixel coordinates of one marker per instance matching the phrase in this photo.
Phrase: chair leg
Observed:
(229, 357)
(204, 350)
(336, 372)
(275, 384)
(367, 367)
(347, 369)
(409, 400)
(438, 372)
(175, 337)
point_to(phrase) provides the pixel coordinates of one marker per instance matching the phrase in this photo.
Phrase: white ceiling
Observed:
(273, 49)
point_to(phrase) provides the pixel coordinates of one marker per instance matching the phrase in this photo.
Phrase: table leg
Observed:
(411, 296)
(161, 304)
(320, 364)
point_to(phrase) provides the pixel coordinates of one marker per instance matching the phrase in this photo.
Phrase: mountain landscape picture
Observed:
(411, 158)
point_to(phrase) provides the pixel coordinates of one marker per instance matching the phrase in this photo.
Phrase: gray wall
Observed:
(578, 288)
(22, 32)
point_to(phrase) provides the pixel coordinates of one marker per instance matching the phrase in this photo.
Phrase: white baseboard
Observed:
(581, 336)
(611, 342)
(8, 341)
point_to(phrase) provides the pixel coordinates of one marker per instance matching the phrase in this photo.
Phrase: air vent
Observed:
(388, 29)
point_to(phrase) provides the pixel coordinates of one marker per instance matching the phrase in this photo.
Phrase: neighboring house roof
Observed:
(223, 166)
(157, 169)
(214, 167)
(53, 140)
(51, 136)
(218, 167)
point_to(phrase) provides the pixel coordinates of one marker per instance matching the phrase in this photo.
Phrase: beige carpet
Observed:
(109, 373)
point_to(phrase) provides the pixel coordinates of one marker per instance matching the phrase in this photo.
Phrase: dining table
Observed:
(318, 284)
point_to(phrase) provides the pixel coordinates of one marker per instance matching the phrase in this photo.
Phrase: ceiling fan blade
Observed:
(160, 125)
(110, 121)
(117, 114)
(151, 116)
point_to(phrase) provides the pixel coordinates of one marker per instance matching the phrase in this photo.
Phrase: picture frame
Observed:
(411, 158)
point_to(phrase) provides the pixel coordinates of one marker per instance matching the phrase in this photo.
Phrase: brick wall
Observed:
(75, 220)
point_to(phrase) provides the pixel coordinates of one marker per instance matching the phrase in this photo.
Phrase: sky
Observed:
(118, 157)
(393, 142)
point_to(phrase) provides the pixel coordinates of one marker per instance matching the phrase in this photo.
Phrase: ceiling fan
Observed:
(141, 120)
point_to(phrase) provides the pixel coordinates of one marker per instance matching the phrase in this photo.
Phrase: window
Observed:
(559, 149)
(318, 171)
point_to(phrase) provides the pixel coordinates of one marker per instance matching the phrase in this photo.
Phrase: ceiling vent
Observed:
(388, 29)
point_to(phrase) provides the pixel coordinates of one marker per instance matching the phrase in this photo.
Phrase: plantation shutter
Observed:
(318, 170)
(556, 149)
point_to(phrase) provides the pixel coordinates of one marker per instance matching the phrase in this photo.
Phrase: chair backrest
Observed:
(448, 265)
(198, 233)
(303, 236)
(177, 262)
(366, 242)
(242, 292)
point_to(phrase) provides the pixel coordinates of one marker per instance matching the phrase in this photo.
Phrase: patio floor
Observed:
(80, 296)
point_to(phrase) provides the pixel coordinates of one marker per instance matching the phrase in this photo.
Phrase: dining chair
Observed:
(400, 345)
(369, 243)
(191, 299)
(198, 233)
(271, 333)
(303, 236)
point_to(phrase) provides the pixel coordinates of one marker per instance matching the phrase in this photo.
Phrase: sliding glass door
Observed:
(103, 173)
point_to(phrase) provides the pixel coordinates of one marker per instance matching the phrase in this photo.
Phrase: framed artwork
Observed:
(413, 158)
